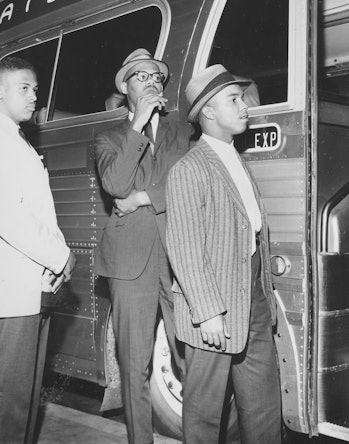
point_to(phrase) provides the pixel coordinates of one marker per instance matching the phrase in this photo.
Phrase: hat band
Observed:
(220, 80)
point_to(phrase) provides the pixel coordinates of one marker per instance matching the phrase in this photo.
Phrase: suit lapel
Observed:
(223, 173)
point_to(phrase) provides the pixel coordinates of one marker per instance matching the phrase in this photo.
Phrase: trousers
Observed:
(254, 377)
(23, 342)
(135, 306)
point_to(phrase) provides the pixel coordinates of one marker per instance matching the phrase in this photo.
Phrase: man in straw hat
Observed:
(133, 164)
(218, 247)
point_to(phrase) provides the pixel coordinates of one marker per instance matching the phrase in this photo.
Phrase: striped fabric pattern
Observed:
(208, 244)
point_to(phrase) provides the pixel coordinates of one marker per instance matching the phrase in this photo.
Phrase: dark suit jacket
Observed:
(125, 163)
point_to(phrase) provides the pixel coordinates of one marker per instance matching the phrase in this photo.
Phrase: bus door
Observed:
(304, 188)
(331, 225)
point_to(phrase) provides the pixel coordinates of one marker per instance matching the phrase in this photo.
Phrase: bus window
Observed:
(43, 58)
(88, 60)
(334, 56)
(252, 41)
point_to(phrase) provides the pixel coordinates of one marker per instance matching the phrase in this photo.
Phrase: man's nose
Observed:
(243, 106)
(33, 95)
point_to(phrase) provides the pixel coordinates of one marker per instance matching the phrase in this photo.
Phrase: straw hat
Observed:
(138, 56)
(206, 84)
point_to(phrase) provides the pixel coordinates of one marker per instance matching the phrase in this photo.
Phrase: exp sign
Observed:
(262, 137)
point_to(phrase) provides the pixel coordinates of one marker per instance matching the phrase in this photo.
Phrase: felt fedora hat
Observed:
(137, 56)
(206, 84)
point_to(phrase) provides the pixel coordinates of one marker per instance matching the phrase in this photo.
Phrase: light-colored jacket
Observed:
(209, 244)
(30, 240)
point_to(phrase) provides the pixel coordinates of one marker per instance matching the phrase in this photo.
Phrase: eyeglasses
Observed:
(143, 76)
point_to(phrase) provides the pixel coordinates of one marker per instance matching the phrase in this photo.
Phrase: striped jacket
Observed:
(209, 245)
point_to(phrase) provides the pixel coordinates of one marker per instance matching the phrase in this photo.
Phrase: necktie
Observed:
(148, 132)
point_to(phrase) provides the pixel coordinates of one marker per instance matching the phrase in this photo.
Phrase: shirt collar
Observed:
(218, 143)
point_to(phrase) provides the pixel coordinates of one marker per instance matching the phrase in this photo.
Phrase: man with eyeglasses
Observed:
(133, 160)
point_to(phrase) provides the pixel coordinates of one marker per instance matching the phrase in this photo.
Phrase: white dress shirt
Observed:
(231, 159)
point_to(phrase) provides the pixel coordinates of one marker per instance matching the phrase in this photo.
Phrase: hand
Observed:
(57, 283)
(130, 204)
(214, 332)
(144, 108)
(66, 274)
(47, 280)
(69, 267)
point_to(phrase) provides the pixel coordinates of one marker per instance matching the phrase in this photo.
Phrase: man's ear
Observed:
(208, 112)
(124, 87)
(2, 91)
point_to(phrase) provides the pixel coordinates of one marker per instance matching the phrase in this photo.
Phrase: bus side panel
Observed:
(79, 310)
(281, 178)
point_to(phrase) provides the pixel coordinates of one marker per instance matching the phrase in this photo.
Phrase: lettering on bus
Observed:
(264, 137)
(14, 13)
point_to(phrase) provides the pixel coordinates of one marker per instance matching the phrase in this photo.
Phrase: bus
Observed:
(297, 147)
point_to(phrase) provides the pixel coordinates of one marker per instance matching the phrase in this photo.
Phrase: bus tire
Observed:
(167, 401)
(166, 389)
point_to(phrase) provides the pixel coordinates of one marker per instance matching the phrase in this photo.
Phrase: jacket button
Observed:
(139, 149)
(244, 260)
(242, 290)
(244, 227)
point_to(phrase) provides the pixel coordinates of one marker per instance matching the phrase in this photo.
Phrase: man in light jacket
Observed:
(33, 252)
(217, 243)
